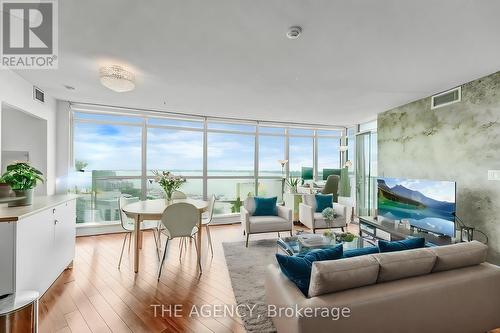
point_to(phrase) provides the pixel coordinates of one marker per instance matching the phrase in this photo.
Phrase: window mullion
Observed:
(205, 159)
(144, 171)
(256, 160)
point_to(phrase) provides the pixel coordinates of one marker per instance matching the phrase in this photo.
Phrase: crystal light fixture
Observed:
(117, 78)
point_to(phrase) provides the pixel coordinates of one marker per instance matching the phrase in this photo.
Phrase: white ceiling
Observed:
(231, 58)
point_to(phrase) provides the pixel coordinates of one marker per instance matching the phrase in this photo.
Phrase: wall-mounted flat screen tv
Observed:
(429, 205)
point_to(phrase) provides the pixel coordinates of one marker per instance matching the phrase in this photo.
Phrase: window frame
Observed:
(205, 177)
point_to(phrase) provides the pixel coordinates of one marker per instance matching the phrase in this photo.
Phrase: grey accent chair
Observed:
(179, 220)
(332, 186)
(128, 225)
(264, 224)
(314, 220)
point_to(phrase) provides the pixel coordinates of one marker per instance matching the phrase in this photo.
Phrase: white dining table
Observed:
(153, 210)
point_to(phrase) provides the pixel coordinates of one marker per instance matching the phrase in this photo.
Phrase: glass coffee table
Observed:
(303, 243)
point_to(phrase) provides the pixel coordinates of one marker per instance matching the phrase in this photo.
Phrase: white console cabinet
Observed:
(37, 243)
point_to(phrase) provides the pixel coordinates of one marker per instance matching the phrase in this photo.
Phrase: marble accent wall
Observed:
(459, 142)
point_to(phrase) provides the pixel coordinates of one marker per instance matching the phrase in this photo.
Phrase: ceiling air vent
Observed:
(446, 98)
(38, 95)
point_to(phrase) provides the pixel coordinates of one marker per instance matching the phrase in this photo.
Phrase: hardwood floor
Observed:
(96, 297)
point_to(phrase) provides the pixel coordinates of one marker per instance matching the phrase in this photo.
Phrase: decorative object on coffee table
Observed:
(168, 182)
(344, 237)
(22, 178)
(306, 242)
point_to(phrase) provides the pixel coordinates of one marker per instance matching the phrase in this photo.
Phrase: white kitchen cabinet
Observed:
(42, 243)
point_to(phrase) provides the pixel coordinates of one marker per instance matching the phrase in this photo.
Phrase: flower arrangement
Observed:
(168, 182)
(329, 214)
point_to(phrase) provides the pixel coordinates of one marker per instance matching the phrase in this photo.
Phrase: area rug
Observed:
(247, 270)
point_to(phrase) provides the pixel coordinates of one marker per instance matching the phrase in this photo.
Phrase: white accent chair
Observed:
(264, 224)
(314, 220)
(128, 225)
(179, 220)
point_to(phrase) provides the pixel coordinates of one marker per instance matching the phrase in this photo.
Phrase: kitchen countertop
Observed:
(12, 214)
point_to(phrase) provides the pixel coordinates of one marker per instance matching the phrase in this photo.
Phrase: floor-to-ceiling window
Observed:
(115, 154)
(272, 150)
(175, 145)
(328, 148)
(231, 164)
(301, 152)
(107, 161)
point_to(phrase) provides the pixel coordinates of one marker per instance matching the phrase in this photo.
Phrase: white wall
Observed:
(18, 93)
(21, 131)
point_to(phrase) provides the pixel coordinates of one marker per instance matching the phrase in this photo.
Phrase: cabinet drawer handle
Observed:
(53, 210)
(56, 221)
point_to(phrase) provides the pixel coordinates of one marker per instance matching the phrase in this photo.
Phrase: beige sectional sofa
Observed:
(438, 289)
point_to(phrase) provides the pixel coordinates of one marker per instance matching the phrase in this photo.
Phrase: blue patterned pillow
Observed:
(298, 268)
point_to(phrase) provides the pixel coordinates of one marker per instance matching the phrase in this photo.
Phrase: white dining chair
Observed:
(128, 226)
(175, 196)
(206, 219)
(179, 220)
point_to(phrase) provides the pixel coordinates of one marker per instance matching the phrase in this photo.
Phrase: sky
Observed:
(438, 190)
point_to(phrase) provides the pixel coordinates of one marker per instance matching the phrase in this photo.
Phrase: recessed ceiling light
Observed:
(117, 78)
(294, 32)
(69, 87)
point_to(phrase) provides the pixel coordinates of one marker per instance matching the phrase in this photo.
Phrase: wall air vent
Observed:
(446, 98)
(38, 95)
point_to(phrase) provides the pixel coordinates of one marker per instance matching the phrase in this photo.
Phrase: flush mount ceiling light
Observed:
(117, 78)
(294, 32)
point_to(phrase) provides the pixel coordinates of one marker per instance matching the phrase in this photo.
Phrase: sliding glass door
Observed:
(366, 173)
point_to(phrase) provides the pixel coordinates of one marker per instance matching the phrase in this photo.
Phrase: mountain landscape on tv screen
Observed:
(399, 202)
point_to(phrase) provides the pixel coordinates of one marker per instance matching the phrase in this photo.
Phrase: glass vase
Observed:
(168, 197)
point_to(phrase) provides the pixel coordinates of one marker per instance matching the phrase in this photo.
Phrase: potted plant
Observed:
(4, 188)
(22, 178)
(292, 184)
(168, 182)
(345, 237)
